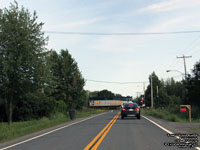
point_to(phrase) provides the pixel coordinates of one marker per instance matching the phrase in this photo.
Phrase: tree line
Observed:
(105, 95)
(171, 94)
(34, 81)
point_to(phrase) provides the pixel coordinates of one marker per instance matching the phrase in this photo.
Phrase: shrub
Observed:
(195, 112)
(61, 106)
(34, 106)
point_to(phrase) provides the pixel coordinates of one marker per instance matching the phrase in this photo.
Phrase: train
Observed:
(108, 102)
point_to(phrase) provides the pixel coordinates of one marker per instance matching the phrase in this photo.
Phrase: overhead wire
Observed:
(128, 34)
(130, 82)
(121, 33)
(192, 49)
(187, 48)
(197, 51)
(193, 44)
(115, 82)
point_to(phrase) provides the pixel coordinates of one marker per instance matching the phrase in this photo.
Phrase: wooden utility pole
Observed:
(157, 90)
(144, 92)
(185, 64)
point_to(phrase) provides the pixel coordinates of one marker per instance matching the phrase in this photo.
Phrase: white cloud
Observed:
(169, 5)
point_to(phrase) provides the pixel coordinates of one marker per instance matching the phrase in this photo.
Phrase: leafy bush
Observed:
(34, 106)
(61, 106)
(195, 112)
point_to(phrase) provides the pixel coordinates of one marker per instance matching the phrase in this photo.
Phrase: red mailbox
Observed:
(183, 109)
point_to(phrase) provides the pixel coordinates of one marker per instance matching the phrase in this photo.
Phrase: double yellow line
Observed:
(94, 144)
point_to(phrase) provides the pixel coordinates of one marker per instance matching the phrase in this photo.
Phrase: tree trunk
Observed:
(9, 109)
(10, 112)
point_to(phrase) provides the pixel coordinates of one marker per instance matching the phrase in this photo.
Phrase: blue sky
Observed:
(122, 58)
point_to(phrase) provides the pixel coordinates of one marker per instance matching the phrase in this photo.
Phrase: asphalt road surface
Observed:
(104, 132)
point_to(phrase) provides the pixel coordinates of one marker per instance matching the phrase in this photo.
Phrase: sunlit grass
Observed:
(18, 129)
(164, 114)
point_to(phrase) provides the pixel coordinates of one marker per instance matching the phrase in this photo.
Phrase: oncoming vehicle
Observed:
(130, 109)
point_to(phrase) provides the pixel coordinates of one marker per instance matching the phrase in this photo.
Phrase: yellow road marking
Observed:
(94, 140)
(108, 127)
(103, 136)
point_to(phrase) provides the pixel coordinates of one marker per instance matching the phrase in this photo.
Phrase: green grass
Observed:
(18, 129)
(166, 115)
(88, 112)
(163, 114)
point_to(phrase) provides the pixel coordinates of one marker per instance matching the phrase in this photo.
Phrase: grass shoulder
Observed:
(166, 115)
(18, 129)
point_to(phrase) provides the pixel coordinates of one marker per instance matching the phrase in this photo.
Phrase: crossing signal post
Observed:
(142, 102)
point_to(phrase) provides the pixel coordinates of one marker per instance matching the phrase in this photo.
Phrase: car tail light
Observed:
(130, 104)
(137, 109)
(123, 109)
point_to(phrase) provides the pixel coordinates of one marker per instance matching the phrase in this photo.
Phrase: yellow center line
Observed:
(94, 140)
(108, 126)
(103, 136)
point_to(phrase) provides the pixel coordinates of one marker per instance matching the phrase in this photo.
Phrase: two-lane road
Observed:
(103, 132)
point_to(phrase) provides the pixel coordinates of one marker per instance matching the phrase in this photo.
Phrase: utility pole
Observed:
(185, 64)
(151, 93)
(138, 93)
(157, 90)
(144, 91)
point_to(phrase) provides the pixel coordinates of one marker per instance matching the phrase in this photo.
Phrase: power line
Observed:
(190, 46)
(131, 82)
(196, 51)
(184, 57)
(121, 33)
(192, 49)
(115, 82)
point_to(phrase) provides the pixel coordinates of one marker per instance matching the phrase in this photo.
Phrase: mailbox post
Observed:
(189, 108)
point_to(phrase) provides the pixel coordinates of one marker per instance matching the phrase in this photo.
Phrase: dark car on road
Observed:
(130, 109)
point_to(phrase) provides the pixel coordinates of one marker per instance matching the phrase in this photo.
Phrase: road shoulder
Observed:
(177, 127)
(38, 133)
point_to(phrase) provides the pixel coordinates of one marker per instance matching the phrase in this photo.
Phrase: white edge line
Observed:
(164, 128)
(50, 132)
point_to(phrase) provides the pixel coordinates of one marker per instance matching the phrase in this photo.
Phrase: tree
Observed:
(21, 54)
(53, 85)
(118, 95)
(156, 82)
(105, 94)
(193, 86)
(176, 89)
(161, 99)
(93, 94)
(66, 80)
